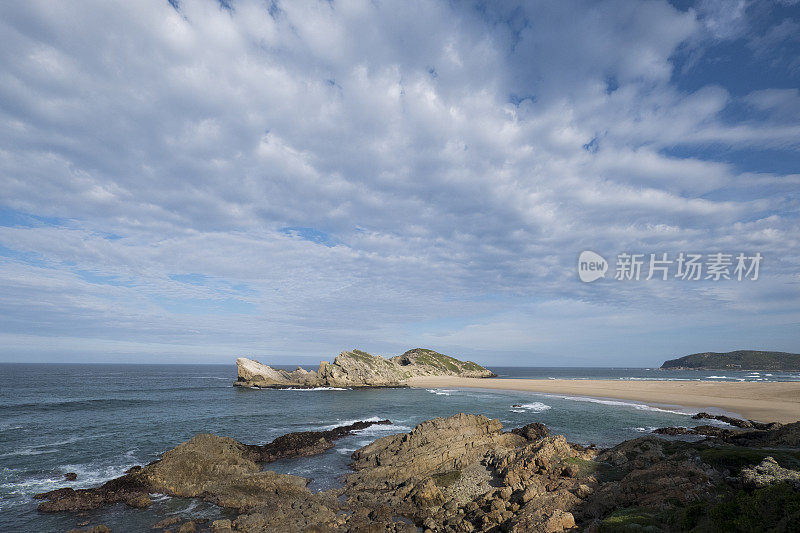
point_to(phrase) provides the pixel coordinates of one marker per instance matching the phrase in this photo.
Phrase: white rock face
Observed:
(250, 370)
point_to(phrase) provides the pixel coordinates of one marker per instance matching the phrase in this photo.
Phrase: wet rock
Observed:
(305, 443)
(737, 422)
(125, 489)
(70, 476)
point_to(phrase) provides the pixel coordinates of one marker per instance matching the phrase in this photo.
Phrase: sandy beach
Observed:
(767, 402)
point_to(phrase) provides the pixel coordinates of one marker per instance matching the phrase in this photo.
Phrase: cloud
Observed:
(305, 177)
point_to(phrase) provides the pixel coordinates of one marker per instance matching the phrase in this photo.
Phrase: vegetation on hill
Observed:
(738, 360)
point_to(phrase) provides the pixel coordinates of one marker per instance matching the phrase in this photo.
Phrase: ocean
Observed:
(99, 420)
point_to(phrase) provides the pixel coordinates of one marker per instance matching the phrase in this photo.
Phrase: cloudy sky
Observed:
(195, 180)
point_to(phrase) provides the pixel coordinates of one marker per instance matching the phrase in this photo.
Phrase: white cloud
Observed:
(460, 160)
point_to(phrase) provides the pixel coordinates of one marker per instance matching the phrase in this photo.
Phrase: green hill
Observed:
(738, 360)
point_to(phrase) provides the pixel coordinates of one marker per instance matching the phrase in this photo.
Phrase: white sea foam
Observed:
(382, 428)
(441, 392)
(618, 403)
(346, 451)
(518, 410)
(314, 388)
(645, 429)
(350, 422)
(717, 377)
(536, 407)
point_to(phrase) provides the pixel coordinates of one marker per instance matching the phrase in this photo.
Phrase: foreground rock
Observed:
(465, 473)
(359, 369)
(218, 469)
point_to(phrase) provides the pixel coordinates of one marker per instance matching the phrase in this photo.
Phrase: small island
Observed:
(737, 360)
(356, 368)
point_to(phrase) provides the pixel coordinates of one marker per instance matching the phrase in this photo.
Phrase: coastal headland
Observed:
(356, 368)
(773, 401)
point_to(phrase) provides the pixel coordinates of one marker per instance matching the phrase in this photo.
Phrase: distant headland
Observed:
(355, 368)
(737, 360)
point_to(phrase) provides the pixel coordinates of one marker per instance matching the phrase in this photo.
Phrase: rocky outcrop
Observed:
(738, 422)
(465, 473)
(305, 443)
(355, 368)
(218, 469)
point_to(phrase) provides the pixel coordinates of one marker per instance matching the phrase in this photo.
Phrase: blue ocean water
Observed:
(99, 420)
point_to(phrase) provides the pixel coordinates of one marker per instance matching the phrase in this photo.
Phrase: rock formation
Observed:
(359, 369)
(466, 474)
(219, 469)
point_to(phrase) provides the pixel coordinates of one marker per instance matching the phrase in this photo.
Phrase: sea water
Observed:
(99, 420)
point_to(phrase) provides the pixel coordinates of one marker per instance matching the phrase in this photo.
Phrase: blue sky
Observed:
(191, 181)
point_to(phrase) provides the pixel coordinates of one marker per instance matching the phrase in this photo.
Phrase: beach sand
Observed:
(766, 402)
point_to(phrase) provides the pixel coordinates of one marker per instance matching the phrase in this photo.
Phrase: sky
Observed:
(190, 181)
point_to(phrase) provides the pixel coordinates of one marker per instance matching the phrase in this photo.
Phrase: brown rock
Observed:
(101, 528)
(221, 526)
(532, 432)
(165, 523)
(187, 527)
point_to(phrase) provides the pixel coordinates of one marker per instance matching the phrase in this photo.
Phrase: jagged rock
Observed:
(356, 368)
(651, 475)
(434, 446)
(430, 466)
(769, 471)
(547, 513)
(70, 476)
(455, 474)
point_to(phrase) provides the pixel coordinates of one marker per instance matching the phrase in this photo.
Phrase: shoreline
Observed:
(777, 401)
